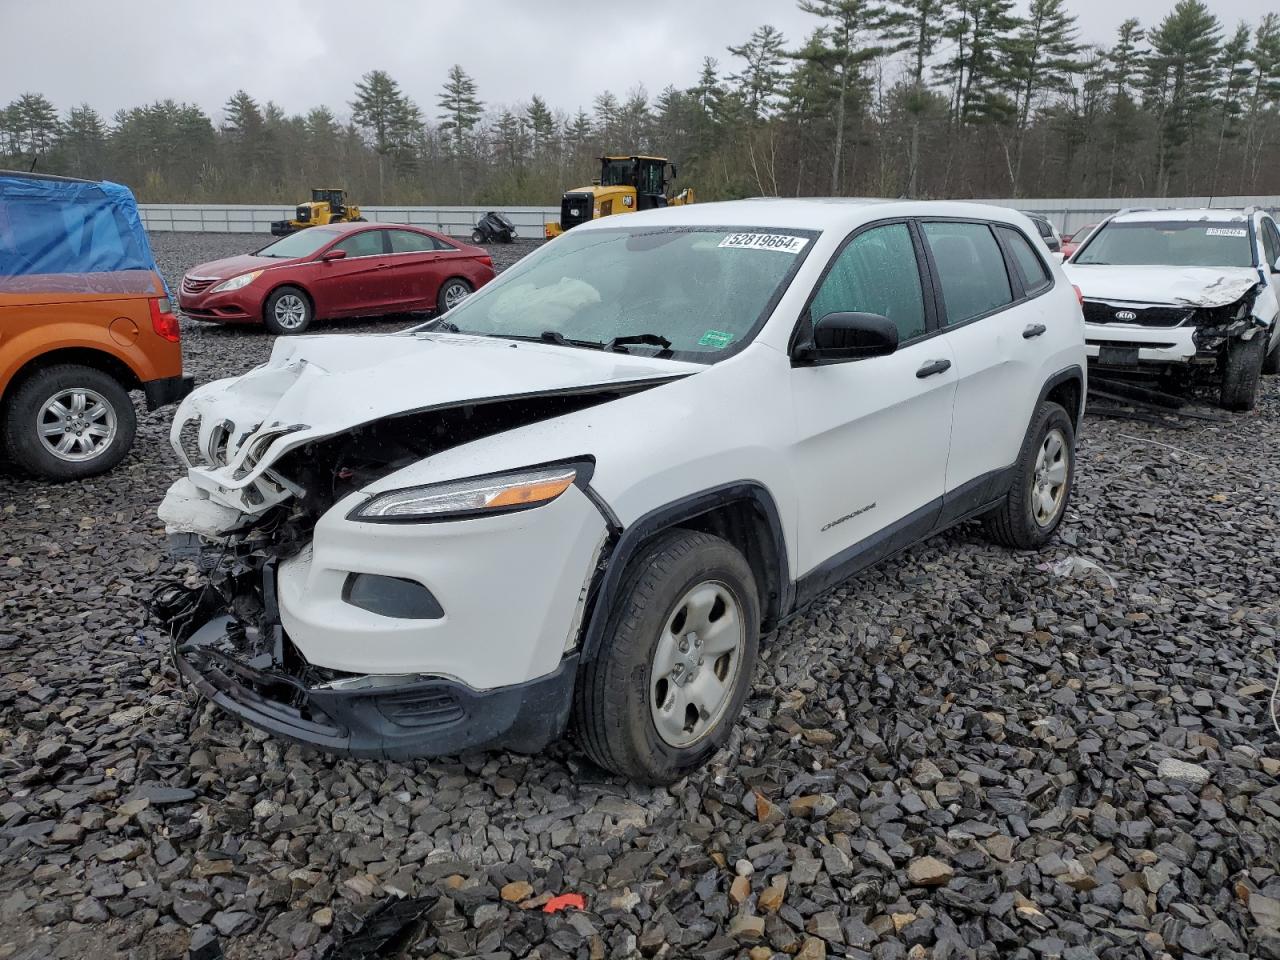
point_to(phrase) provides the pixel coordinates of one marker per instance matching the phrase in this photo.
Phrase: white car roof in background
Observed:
(807, 213)
(1207, 214)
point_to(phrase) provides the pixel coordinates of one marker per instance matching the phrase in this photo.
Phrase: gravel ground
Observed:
(968, 752)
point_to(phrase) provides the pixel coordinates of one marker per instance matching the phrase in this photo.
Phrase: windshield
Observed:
(300, 244)
(702, 292)
(1173, 243)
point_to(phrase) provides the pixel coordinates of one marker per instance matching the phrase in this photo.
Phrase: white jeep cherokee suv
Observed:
(585, 492)
(1176, 293)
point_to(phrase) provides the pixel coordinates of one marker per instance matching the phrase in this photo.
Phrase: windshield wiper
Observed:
(551, 336)
(617, 344)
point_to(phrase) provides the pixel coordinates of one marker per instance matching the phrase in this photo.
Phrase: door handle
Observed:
(1033, 330)
(932, 367)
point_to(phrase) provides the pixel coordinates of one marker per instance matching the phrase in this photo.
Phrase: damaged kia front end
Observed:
(334, 603)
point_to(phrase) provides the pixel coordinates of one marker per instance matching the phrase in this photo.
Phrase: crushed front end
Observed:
(1124, 334)
(377, 639)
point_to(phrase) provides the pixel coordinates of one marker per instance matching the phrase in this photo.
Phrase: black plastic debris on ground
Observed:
(1127, 400)
(387, 931)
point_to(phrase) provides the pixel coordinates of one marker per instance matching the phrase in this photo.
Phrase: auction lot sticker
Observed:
(778, 242)
(1219, 232)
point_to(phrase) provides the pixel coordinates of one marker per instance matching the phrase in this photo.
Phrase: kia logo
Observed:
(1126, 315)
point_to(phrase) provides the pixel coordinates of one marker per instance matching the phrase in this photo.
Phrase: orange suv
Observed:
(85, 317)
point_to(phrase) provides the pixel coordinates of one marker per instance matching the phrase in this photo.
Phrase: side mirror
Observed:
(333, 255)
(850, 336)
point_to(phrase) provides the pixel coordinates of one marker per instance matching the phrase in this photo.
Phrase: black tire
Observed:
(25, 414)
(613, 715)
(1271, 362)
(477, 236)
(449, 289)
(359, 220)
(283, 305)
(1016, 522)
(1241, 369)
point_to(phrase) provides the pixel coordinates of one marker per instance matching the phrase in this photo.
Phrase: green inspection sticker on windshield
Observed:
(716, 338)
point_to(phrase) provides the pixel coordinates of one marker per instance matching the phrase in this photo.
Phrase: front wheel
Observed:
(1042, 482)
(1241, 368)
(287, 311)
(69, 421)
(452, 293)
(665, 689)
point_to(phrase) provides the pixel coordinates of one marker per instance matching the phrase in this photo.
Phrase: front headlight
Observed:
(235, 283)
(479, 496)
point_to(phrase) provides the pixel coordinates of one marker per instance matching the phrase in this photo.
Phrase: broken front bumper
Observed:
(380, 717)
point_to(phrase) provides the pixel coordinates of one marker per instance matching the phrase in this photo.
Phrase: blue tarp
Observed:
(57, 226)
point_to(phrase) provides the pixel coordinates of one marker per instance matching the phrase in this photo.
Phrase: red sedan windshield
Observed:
(300, 244)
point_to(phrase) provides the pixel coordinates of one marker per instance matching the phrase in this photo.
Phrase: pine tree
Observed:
(1179, 81)
(761, 78)
(850, 26)
(1265, 93)
(1043, 58)
(84, 142)
(460, 107)
(542, 125)
(915, 26)
(1235, 76)
(1123, 61)
(33, 126)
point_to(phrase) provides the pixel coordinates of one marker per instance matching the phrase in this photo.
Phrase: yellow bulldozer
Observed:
(626, 184)
(328, 205)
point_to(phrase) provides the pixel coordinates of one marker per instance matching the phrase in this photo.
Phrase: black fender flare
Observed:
(1073, 372)
(632, 538)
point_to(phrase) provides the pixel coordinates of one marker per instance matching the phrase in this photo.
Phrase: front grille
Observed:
(576, 208)
(189, 440)
(195, 285)
(1143, 315)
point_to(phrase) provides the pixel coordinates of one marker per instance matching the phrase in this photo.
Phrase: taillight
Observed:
(487, 261)
(1079, 296)
(163, 320)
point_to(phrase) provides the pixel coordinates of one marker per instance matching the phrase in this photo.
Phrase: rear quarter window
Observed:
(1035, 275)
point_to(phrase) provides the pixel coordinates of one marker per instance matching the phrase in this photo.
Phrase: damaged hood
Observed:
(229, 432)
(1192, 286)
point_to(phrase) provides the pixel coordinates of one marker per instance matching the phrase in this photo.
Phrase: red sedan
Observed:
(339, 270)
(1072, 243)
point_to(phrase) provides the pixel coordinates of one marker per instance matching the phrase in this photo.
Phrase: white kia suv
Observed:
(1183, 295)
(582, 495)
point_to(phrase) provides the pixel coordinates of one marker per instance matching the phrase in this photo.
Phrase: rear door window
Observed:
(876, 273)
(367, 243)
(1035, 275)
(406, 241)
(970, 268)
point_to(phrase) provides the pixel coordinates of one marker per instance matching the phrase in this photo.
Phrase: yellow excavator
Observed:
(626, 184)
(328, 205)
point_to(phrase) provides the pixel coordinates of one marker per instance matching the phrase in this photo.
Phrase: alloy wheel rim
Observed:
(76, 424)
(696, 662)
(1049, 481)
(454, 294)
(290, 311)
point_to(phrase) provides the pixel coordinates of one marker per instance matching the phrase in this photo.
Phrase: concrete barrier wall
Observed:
(233, 218)
(1067, 215)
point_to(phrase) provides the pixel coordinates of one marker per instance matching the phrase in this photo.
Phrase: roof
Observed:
(27, 175)
(1208, 214)
(804, 213)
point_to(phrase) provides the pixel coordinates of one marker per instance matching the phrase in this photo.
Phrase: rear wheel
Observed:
(287, 311)
(1241, 368)
(68, 422)
(665, 689)
(452, 293)
(477, 236)
(1043, 478)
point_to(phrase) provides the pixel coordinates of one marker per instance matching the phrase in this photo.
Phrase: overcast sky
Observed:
(300, 53)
